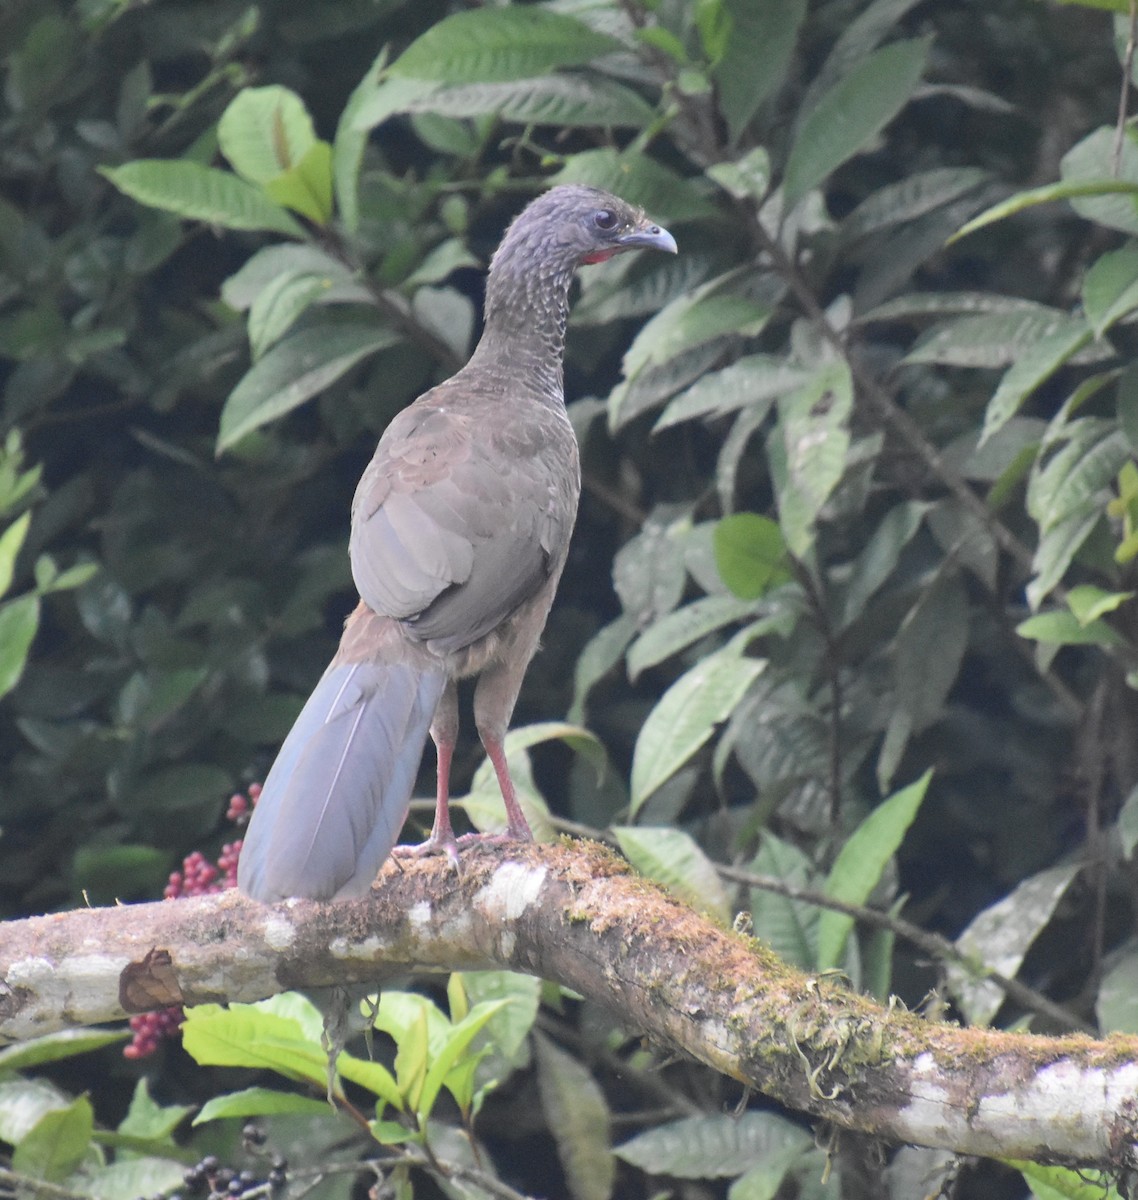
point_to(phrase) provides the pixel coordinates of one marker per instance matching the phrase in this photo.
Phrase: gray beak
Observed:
(648, 237)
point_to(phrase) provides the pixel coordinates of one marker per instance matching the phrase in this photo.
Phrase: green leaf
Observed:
(673, 858)
(252, 1035)
(877, 560)
(1110, 288)
(148, 1121)
(638, 179)
(1116, 1005)
(1001, 936)
(11, 540)
(307, 187)
(19, 620)
(199, 193)
(789, 927)
(758, 51)
(284, 299)
(677, 630)
(57, 1143)
(927, 653)
(265, 132)
(51, 1047)
(294, 371)
(142, 1176)
(600, 655)
(808, 453)
(1128, 824)
(570, 100)
(577, 1114)
(1062, 628)
(1088, 602)
(858, 867)
(751, 382)
(851, 114)
(997, 340)
(505, 44)
(690, 321)
(350, 142)
(1034, 366)
(1068, 190)
(258, 1102)
(910, 198)
(1093, 161)
(685, 719)
(750, 554)
(717, 1147)
(449, 1057)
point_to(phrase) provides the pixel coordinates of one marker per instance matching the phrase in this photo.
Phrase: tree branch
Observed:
(577, 915)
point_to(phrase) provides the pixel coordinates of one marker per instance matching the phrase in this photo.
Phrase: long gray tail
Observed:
(337, 795)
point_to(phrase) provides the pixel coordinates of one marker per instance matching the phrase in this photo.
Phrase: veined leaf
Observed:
(265, 132)
(851, 114)
(1091, 162)
(11, 540)
(639, 180)
(1110, 287)
(199, 193)
(758, 50)
(1000, 937)
(295, 370)
(750, 554)
(789, 927)
(910, 198)
(685, 719)
(570, 100)
(1062, 628)
(1032, 368)
(677, 630)
(258, 1102)
(859, 865)
(19, 620)
(717, 1147)
(488, 44)
(995, 340)
(577, 1114)
(756, 379)
(350, 142)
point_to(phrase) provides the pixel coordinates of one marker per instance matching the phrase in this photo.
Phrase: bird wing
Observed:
(458, 518)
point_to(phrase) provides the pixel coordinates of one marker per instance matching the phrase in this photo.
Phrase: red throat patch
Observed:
(597, 256)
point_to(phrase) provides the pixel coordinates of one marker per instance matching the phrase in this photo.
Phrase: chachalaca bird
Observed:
(460, 530)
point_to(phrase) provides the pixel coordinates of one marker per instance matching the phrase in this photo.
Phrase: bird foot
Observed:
(447, 846)
(509, 834)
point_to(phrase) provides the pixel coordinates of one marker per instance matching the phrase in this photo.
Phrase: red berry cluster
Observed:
(198, 877)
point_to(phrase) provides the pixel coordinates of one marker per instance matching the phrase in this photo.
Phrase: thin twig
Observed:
(1124, 88)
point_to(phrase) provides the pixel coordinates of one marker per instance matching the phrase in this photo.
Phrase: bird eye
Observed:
(605, 218)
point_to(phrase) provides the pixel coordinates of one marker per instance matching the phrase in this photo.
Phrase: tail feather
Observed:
(337, 795)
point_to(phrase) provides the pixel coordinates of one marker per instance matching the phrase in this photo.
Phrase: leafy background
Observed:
(849, 605)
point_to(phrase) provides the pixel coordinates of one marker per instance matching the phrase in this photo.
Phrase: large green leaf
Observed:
(758, 51)
(1000, 936)
(852, 113)
(1063, 1183)
(640, 180)
(808, 451)
(578, 1116)
(265, 132)
(257, 1102)
(294, 371)
(677, 630)
(858, 866)
(199, 193)
(789, 927)
(505, 44)
(927, 653)
(57, 1143)
(19, 620)
(685, 718)
(716, 1147)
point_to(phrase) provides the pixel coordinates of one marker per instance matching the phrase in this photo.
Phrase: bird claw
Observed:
(509, 834)
(447, 846)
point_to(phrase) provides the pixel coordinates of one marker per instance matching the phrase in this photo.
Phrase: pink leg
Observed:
(444, 731)
(517, 827)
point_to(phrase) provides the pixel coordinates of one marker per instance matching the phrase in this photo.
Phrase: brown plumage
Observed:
(460, 530)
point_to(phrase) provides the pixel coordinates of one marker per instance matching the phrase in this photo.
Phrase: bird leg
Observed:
(517, 827)
(444, 733)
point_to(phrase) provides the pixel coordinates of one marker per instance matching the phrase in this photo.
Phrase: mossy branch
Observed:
(577, 915)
